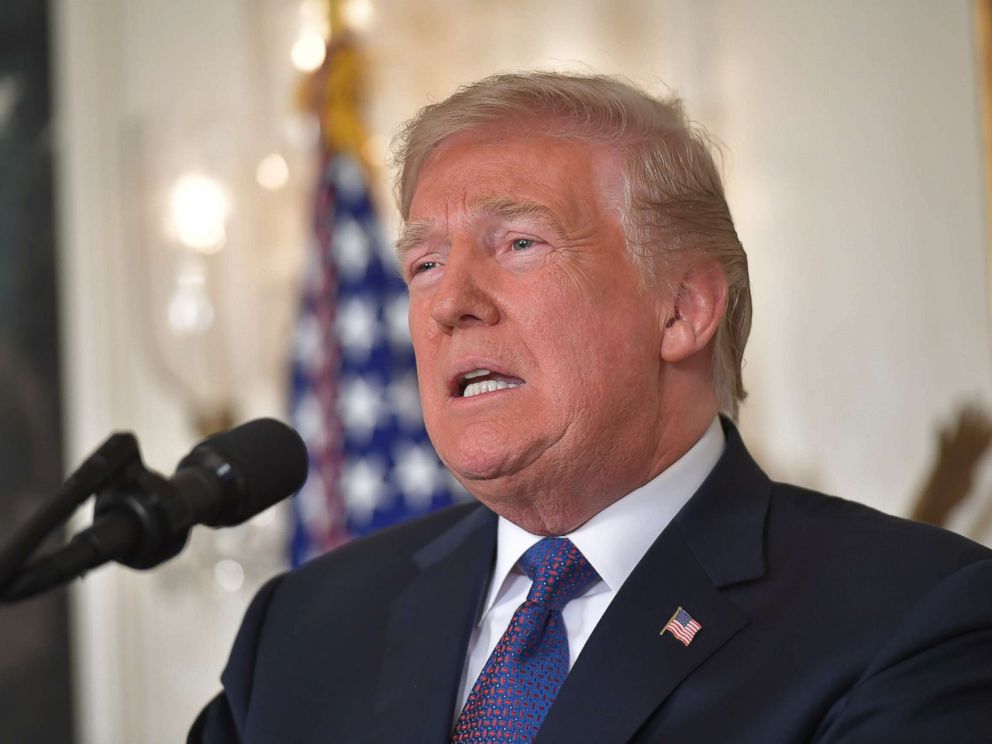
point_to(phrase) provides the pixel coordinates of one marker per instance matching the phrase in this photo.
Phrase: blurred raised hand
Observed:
(960, 450)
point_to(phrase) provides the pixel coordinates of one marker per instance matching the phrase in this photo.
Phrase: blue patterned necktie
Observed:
(521, 679)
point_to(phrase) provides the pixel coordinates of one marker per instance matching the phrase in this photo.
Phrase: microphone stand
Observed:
(137, 521)
(140, 518)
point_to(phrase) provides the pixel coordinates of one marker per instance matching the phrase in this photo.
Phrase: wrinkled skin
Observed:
(516, 263)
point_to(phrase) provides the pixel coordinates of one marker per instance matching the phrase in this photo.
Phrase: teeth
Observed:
(475, 373)
(487, 386)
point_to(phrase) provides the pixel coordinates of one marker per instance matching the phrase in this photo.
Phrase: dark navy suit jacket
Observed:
(822, 620)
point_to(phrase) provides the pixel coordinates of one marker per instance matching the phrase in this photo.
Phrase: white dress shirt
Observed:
(613, 541)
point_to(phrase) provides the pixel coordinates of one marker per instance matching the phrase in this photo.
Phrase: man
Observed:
(579, 306)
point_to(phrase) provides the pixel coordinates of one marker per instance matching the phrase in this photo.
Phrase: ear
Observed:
(695, 312)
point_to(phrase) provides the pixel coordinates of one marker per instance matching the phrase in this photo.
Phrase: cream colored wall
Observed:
(857, 180)
(129, 75)
(853, 173)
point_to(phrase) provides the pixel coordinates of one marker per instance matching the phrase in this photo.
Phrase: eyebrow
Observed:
(414, 232)
(511, 208)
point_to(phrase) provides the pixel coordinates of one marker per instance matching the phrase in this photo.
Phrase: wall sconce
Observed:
(198, 211)
(220, 246)
(219, 239)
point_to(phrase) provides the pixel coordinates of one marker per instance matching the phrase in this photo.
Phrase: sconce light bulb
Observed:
(358, 14)
(272, 172)
(190, 311)
(199, 210)
(309, 51)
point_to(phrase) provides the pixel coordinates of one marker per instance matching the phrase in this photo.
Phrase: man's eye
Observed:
(425, 266)
(522, 244)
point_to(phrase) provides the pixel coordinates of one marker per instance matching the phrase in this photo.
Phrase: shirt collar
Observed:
(615, 539)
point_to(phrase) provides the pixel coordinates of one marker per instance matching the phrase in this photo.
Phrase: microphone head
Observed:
(261, 462)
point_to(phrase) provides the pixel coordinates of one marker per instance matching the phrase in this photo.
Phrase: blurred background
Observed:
(195, 227)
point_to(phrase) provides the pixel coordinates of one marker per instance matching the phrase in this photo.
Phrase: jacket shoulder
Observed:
(861, 551)
(849, 524)
(387, 553)
(322, 626)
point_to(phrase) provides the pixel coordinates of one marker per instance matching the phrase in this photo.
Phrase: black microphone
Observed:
(242, 472)
(141, 519)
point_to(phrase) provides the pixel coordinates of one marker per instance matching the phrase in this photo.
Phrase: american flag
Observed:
(354, 385)
(682, 626)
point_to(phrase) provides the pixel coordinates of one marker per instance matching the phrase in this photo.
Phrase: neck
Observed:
(585, 486)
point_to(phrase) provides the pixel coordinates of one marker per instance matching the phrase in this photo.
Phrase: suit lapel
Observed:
(428, 633)
(627, 669)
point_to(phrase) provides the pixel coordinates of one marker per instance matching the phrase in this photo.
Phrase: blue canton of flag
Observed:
(354, 396)
(682, 626)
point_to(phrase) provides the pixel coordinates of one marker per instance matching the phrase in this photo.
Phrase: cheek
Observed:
(602, 354)
(418, 318)
(435, 422)
(423, 335)
(427, 377)
(593, 329)
(430, 398)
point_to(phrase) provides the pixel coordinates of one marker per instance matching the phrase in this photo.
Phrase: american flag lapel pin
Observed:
(682, 626)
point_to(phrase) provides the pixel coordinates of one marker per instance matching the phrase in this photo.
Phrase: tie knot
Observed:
(559, 571)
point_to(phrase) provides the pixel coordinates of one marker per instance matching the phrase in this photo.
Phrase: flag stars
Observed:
(404, 397)
(417, 475)
(397, 320)
(308, 418)
(355, 397)
(364, 485)
(347, 175)
(357, 327)
(351, 249)
(361, 407)
(308, 345)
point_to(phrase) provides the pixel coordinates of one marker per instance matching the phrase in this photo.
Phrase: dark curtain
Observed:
(35, 702)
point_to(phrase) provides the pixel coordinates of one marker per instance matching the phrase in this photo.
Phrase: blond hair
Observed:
(674, 199)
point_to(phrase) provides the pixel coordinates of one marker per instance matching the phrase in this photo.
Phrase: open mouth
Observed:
(480, 381)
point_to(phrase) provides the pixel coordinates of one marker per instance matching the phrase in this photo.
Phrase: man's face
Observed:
(538, 353)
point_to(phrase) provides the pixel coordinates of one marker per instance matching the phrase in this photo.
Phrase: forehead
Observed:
(485, 166)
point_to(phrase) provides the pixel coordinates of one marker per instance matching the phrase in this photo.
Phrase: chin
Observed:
(474, 465)
(481, 454)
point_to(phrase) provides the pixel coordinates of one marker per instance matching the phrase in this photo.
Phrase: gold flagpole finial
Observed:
(335, 92)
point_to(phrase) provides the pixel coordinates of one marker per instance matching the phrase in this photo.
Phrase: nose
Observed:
(463, 297)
